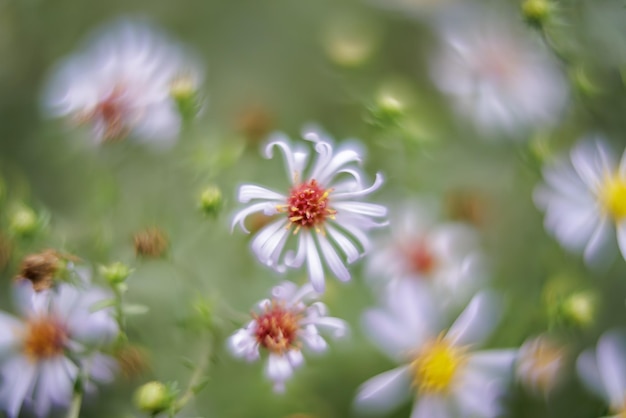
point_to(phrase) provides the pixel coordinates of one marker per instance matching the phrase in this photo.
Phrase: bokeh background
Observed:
(278, 65)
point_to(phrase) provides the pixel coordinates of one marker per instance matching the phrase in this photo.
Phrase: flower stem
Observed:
(74, 410)
(195, 379)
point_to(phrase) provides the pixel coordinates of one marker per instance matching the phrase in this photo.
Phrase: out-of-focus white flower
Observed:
(604, 372)
(322, 209)
(497, 78)
(124, 82)
(54, 340)
(441, 368)
(444, 256)
(585, 200)
(540, 364)
(281, 326)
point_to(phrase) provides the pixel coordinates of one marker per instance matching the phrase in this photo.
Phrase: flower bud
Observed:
(387, 111)
(153, 397)
(536, 12)
(116, 273)
(184, 91)
(211, 201)
(580, 308)
(24, 222)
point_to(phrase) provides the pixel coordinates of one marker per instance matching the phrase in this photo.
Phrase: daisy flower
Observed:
(604, 371)
(441, 369)
(445, 256)
(322, 210)
(125, 82)
(541, 363)
(281, 326)
(585, 200)
(51, 344)
(497, 78)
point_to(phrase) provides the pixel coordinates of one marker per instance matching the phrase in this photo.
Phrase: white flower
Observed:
(282, 325)
(120, 84)
(322, 210)
(585, 200)
(50, 345)
(541, 363)
(604, 372)
(498, 79)
(442, 370)
(444, 256)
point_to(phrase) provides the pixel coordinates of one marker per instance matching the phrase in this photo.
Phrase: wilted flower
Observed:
(604, 372)
(281, 326)
(585, 200)
(322, 209)
(53, 342)
(441, 368)
(151, 242)
(40, 269)
(540, 363)
(444, 256)
(500, 80)
(126, 81)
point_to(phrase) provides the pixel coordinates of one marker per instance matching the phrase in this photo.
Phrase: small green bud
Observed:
(536, 12)
(184, 91)
(580, 308)
(116, 273)
(211, 201)
(387, 111)
(24, 222)
(153, 397)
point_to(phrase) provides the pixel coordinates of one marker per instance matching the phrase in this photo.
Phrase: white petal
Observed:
(588, 371)
(431, 406)
(311, 338)
(10, 328)
(55, 384)
(314, 264)
(362, 208)
(591, 161)
(385, 392)
(600, 246)
(267, 208)
(390, 333)
(295, 357)
(610, 355)
(349, 249)
(332, 259)
(248, 192)
(267, 245)
(19, 375)
(493, 362)
(284, 291)
(278, 368)
(294, 159)
(340, 159)
(476, 322)
(621, 236)
(361, 192)
(295, 260)
(338, 326)
(243, 344)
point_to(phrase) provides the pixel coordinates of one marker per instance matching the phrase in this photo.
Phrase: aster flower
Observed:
(604, 371)
(52, 342)
(281, 326)
(447, 377)
(496, 77)
(124, 82)
(322, 210)
(444, 256)
(585, 200)
(541, 363)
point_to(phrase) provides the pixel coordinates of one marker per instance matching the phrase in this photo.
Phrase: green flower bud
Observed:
(153, 397)
(387, 111)
(580, 308)
(211, 201)
(184, 91)
(536, 12)
(116, 273)
(24, 222)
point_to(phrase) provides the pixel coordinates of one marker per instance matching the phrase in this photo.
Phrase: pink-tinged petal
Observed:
(332, 259)
(314, 264)
(431, 406)
(476, 322)
(385, 392)
(589, 373)
(19, 375)
(611, 361)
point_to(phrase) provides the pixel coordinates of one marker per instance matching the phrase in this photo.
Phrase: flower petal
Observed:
(248, 192)
(476, 322)
(314, 264)
(385, 392)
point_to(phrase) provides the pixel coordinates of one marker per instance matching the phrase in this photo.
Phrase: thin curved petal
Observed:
(385, 392)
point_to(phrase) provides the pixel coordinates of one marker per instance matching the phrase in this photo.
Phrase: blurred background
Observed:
(360, 69)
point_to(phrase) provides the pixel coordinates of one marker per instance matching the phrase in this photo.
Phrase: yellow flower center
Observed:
(613, 197)
(435, 366)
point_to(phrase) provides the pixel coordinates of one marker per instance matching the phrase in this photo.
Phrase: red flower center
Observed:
(45, 337)
(277, 328)
(307, 205)
(420, 258)
(112, 113)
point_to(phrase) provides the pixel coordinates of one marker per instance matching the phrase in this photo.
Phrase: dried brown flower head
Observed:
(40, 269)
(133, 361)
(254, 122)
(468, 206)
(151, 242)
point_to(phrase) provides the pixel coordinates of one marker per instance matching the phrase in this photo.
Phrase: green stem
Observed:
(196, 377)
(74, 411)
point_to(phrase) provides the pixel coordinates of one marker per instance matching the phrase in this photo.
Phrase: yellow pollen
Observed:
(613, 196)
(435, 366)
